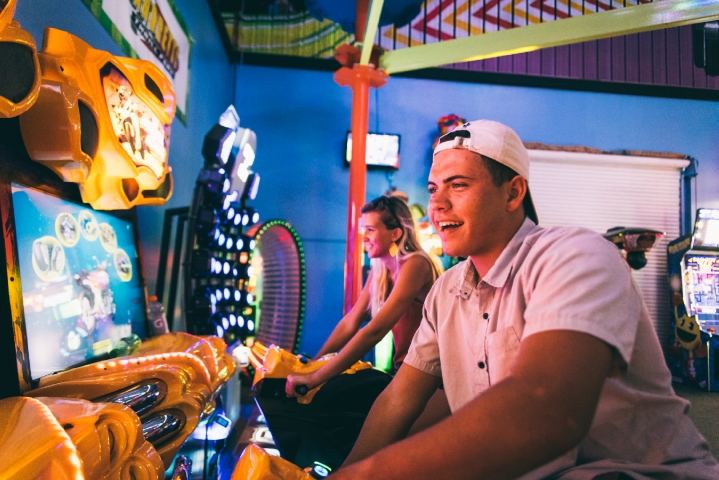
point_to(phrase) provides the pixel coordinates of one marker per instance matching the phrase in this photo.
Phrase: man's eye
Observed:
(432, 189)
(457, 185)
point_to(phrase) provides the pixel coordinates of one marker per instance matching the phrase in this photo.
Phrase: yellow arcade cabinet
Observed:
(73, 297)
(19, 65)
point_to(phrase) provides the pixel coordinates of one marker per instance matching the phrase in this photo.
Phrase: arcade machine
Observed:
(83, 131)
(245, 282)
(693, 269)
(218, 269)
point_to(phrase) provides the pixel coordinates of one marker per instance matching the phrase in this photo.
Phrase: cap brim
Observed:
(529, 209)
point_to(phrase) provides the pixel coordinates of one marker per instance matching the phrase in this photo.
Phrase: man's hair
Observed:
(500, 174)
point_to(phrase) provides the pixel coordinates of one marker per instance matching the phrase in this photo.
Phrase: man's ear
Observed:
(396, 234)
(517, 190)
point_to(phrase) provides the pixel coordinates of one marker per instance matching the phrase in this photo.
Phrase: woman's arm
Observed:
(350, 323)
(413, 277)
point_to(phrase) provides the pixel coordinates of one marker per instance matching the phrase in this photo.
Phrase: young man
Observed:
(545, 348)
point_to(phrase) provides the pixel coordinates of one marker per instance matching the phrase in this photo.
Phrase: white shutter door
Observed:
(603, 191)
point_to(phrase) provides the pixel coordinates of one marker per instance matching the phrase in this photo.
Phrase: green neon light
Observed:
(303, 273)
(383, 353)
(323, 465)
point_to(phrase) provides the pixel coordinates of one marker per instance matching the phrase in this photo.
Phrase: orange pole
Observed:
(359, 78)
(361, 19)
(357, 183)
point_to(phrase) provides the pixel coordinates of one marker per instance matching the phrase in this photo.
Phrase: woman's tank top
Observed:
(403, 331)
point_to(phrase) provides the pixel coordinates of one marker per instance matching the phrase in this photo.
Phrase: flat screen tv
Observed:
(80, 281)
(382, 150)
(74, 282)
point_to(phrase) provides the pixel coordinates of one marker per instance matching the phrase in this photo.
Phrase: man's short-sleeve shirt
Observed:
(563, 278)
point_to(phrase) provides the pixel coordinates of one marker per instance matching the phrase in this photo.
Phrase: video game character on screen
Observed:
(88, 225)
(80, 295)
(138, 129)
(67, 229)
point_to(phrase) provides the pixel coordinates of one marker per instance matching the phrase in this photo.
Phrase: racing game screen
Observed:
(80, 280)
(701, 283)
(706, 228)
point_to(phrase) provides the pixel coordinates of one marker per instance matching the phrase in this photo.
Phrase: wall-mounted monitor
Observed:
(382, 150)
(80, 279)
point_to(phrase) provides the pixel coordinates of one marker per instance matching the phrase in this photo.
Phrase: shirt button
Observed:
(480, 364)
(485, 316)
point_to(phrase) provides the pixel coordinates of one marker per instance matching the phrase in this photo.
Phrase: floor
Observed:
(704, 413)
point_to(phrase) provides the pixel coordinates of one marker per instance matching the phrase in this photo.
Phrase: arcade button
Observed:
(319, 470)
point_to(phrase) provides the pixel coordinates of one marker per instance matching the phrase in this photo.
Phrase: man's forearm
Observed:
(383, 427)
(394, 412)
(470, 447)
(514, 427)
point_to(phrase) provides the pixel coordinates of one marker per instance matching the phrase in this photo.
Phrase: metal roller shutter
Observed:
(600, 191)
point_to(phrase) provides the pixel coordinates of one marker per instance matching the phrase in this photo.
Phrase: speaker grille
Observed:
(88, 130)
(17, 71)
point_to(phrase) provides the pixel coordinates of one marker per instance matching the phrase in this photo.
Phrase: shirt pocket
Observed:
(502, 349)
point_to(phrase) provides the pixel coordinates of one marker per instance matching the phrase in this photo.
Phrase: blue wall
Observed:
(301, 117)
(210, 87)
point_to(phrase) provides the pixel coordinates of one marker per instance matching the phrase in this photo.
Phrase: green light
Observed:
(383, 353)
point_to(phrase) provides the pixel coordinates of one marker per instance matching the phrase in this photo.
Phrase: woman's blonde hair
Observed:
(394, 213)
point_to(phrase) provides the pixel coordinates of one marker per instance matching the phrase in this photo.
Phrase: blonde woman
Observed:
(401, 276)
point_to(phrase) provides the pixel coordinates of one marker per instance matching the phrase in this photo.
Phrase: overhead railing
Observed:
(586, 27)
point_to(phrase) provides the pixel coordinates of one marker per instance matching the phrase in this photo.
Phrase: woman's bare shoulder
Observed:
(417, 265)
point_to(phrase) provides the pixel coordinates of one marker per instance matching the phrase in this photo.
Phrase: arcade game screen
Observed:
(706, 228)
(81, 285)
(701, 283)
(142, 135)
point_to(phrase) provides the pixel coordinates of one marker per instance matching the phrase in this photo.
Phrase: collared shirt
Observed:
(564, 278)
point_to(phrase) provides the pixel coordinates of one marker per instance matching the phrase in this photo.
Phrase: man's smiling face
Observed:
(465, 207)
